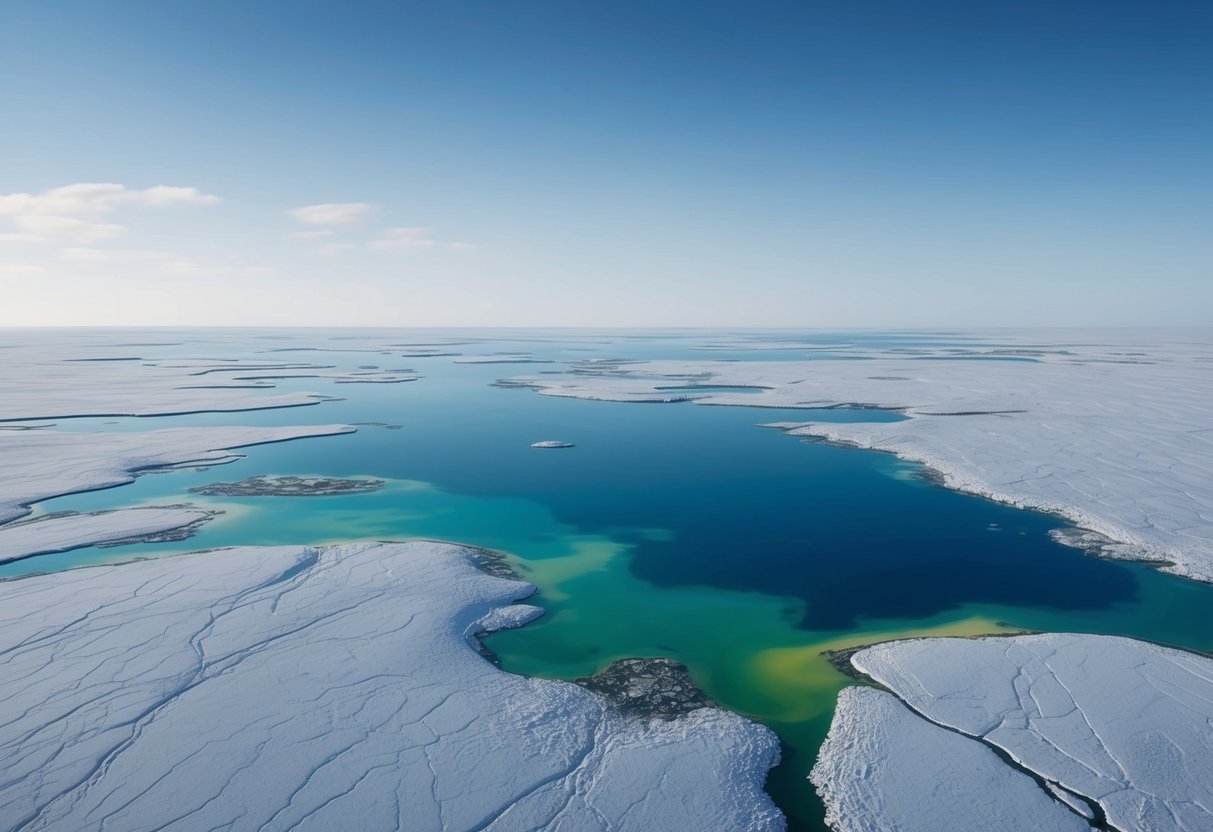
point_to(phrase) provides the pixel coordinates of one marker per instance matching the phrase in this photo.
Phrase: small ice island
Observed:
(552, 443)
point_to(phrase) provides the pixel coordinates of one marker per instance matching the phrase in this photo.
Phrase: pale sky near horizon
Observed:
(812, 164)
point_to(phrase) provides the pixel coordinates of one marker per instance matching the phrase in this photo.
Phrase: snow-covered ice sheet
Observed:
(1113, 431)
(1123, 723)
(885, 769)
(53, 374)
(49, 374)
(40, 464)
(329, 688)
(61, 532)
(41, 381)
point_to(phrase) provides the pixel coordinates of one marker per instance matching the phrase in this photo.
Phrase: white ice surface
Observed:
(50, 381)
(39, 464)
(1114, 431)
(885, 769)
(59, 533)
(331, 688)
(50, 374)
(1122, 722)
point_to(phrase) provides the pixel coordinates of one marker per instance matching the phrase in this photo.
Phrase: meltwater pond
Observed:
(669, 530)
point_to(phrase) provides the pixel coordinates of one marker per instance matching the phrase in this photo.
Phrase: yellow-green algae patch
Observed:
(792, 680)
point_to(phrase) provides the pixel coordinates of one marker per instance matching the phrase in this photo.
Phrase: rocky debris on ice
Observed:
(268, 486)
(885, 769)
(326, 688)
(648, 687)
(63, 532)
(1122, 724)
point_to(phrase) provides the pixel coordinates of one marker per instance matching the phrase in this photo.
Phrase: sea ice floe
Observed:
(1122, 724)
(885, 769)
(62, 532)
(330, 688)
(40, 464)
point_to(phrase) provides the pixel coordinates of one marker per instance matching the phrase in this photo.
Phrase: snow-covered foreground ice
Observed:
(885, 769)
(329, 688)
(1124, 724)
(1112, 431)
(59, 533)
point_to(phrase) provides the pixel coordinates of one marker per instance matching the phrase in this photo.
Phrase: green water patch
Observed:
(747, 650)
(751, 654)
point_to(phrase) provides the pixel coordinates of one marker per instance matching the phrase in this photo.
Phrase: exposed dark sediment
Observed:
(494, 563)
(289, 487)
(646, 688)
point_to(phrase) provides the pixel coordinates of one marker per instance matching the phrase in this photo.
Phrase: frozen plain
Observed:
(1120, 722)
(1117, 729)
(338, 687)
(884, 769)
(59, 533)
(40, 464)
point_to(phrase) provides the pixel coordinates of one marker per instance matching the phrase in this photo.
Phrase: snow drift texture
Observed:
(330, 688)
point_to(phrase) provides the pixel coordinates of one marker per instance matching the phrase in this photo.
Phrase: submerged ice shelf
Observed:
(323, 688)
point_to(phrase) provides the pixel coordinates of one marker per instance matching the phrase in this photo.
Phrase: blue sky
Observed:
(800, 164)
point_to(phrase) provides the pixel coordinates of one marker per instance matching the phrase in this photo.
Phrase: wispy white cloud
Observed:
(312, 235)
(170, 195)
(331, 249)
(20, 269)
(412, 238)
(18, 238)
(403, 239)
(115, 255)
(190, 268)
(98, 197)
(331, 213)
(69, 213)
(40, 228)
